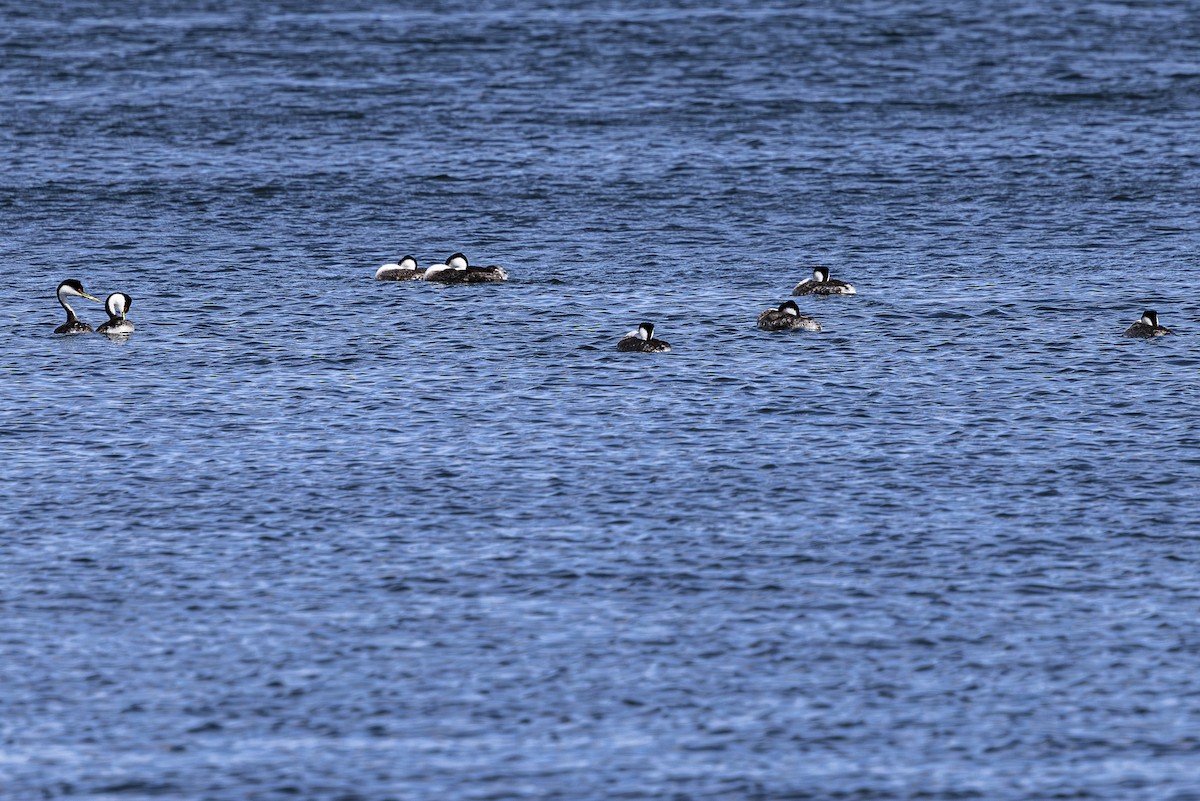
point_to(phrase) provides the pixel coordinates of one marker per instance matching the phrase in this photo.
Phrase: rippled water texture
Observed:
(309, 535)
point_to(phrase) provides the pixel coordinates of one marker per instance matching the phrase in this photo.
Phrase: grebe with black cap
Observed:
(117, 305)
(822, 284)
(1147, 326)
(404, 270)
(71, 288)
(456, 270)
(642, 340)
(786, 318)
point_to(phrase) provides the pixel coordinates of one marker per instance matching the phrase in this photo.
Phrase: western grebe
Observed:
(456, 270)
(820, 284)
(72, 289)
(116, 304)
(404, 270)
(786, 318)
(1147, 326)
(643, 340)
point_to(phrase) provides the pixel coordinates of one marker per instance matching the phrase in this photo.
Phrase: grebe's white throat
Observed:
(72, 288)
(117, 305)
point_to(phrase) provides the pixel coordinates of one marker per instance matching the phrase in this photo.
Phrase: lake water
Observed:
(306, 535)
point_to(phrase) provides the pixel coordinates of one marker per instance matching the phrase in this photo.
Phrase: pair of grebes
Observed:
(786, 317)
(117, 305)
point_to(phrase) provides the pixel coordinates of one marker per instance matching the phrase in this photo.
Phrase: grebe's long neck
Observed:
(70, 312)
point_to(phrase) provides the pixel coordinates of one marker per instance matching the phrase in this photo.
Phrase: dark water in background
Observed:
(307, 535)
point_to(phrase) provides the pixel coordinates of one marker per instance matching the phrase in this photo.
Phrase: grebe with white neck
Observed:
(822, 284)
(457, 270)
(1147, 326)
(405, 269)
(117, 305)
(642, 341)
(71, 288)
(787, 318)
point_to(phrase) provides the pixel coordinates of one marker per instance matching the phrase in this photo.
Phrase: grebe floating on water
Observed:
(116, 304)
(456, 270)
(72, 289)
(820, 284)
(404, 270)
(1147, 326)
(643, 340)
(786, 318)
